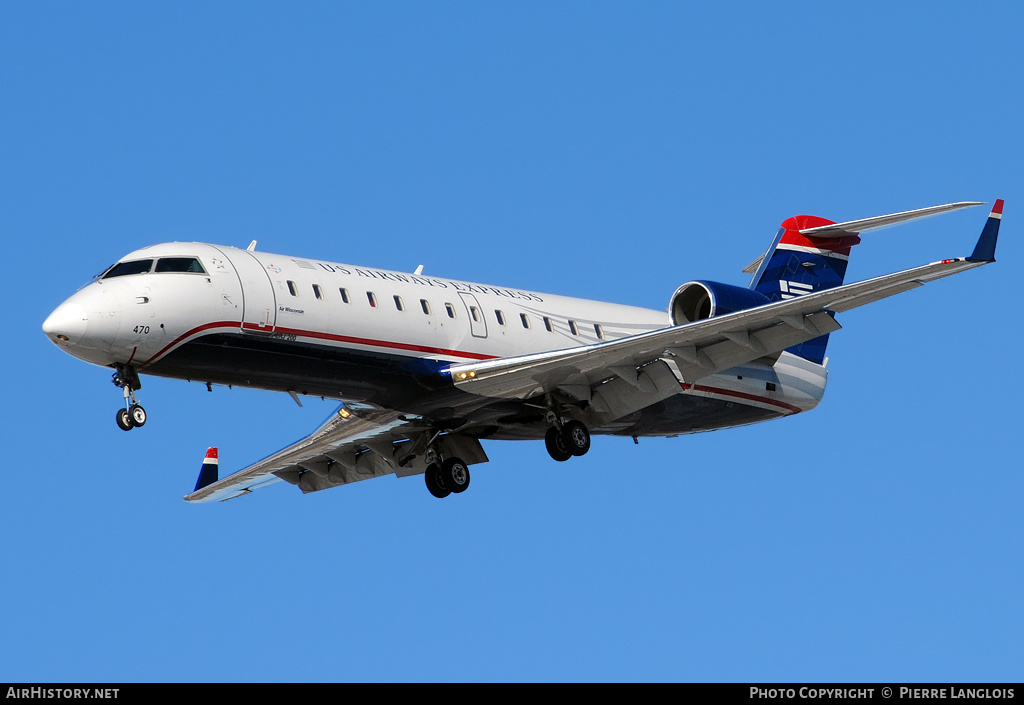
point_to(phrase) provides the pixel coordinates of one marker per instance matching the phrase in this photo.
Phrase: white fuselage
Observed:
(315, 327)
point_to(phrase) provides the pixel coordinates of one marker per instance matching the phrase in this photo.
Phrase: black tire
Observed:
(556, 445)
(124, 421)
(433, 479)
(576, 438)
(137, 414)
(455, 474)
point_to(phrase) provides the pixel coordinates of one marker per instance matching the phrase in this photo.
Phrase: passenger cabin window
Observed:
(573, 328)
(372, 298)
(599, 331)
(450, 309)
(425, 306)
(398, 303)
(122, 269)
(292, 289)
(500, 316)
(344, 295)
(318, 292)
(475, 312)
(547, 324)
(179, 264)
(525, 319)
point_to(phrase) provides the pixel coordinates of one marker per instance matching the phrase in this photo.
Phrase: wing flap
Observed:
(773, 339)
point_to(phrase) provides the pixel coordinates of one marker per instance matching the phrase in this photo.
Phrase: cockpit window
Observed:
(122, 269)
(179, 264)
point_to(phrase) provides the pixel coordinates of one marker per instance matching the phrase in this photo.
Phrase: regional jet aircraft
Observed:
(425, 367)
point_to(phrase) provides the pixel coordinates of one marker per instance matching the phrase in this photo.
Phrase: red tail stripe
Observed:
(840, 245)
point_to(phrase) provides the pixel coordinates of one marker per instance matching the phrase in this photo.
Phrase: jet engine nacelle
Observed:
(695, 301)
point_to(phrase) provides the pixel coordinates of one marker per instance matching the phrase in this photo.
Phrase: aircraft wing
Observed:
(704, 347)
(355, 443)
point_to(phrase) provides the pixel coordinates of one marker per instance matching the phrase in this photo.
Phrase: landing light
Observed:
(344, 413)
(63, 338)
(464, 375)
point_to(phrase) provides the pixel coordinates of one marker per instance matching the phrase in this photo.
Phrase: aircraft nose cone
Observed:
(66, 325)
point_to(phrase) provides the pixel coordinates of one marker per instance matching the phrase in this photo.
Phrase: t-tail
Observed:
(811, 254)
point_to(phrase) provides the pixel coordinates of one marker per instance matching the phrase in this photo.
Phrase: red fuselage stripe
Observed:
(323, 336)
(744, 395)
(197, 329)
(233, 325)
(382, 343)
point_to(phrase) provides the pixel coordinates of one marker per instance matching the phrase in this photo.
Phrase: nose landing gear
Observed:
(132, 414)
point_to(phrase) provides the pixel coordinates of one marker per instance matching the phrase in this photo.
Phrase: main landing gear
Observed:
(132, 414)
(571, 439)
(451, 475)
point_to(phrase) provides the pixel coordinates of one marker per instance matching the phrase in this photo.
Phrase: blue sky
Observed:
(587, 149)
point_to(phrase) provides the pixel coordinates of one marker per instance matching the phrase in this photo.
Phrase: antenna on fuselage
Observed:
(251, 247)
(419, 270)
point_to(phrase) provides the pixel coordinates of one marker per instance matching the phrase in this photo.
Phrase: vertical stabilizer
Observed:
(797, 264)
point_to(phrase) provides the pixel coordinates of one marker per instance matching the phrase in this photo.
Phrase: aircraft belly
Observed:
(690, 413)
(276, 363)
(677, 415)
(414, 385)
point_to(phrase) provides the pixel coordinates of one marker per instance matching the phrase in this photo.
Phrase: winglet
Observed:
(208, 473)
(985, 250)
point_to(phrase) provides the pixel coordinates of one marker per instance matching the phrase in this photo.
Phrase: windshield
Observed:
(121, 269)
(179, 264)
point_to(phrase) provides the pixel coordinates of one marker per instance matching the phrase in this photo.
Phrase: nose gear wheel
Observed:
(124, 420)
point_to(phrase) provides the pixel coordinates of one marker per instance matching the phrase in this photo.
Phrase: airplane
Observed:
(426, 367)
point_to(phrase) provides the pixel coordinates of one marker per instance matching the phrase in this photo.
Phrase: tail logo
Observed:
(790, 289)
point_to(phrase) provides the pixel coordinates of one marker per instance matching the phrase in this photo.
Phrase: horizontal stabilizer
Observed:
(853, 227)
(752, 267)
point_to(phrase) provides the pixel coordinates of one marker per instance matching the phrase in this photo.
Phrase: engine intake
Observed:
(695, 301)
